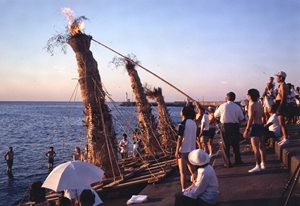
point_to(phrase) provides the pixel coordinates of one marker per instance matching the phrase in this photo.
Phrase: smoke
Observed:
(76, 25)
(69, 14)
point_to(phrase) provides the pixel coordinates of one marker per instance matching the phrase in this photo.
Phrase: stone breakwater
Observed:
(178, 103)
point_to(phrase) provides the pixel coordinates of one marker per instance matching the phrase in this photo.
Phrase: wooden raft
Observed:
(134, 171)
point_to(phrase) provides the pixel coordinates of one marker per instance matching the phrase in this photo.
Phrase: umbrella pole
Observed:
(76, 198)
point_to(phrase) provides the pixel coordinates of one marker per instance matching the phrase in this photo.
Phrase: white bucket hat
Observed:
(198, 157)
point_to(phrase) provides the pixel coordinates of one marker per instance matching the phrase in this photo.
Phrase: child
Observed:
(50, 154)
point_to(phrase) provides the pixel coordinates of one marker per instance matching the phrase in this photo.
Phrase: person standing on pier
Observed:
(231, 116)
(268, 100)
(186, 143)
(9, 157)
(272, 127)
(136, 143)
(212, 129)
(280, 104)
(255, 117)
(198, 119)
(124, 146)
(204, 133)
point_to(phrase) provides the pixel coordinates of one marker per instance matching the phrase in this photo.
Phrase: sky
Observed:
(203, 48)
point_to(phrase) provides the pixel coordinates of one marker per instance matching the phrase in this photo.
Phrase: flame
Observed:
(75, 25)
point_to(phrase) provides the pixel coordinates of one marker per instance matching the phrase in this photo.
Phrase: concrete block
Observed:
(286, 158)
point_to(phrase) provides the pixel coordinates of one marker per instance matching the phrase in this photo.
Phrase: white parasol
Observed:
(73, 175)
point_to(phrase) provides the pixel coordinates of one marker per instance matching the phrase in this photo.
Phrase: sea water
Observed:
(32, 127)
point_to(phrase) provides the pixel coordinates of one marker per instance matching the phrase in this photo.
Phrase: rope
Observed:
(130, 140)
(135, 63)
(108, 143)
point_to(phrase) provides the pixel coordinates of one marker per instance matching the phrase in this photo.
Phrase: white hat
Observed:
(281, 73)
(211, 109)
(198, 157)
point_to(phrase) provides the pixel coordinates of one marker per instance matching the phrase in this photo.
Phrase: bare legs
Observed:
(259, 153)
(283, 126)
(184, 164)
(210, 146)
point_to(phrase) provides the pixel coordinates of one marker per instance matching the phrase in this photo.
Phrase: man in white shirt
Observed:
(231, 116)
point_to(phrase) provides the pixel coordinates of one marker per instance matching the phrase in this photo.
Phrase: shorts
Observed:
(270, 134)
(257, 130)
(212, 132)
(284, 111)
(10, 162)
(51, 160)
(205, 136)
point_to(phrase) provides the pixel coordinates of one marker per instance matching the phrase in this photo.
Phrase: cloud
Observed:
(223, 82)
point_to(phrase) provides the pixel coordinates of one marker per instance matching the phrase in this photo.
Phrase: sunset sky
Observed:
(205, 48)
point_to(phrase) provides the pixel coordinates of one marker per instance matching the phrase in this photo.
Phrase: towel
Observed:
(137, 199)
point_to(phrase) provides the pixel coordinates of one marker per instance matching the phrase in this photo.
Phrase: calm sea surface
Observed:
(32, 127)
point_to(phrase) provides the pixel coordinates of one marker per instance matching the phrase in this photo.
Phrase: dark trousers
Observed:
(124, 155)
(230, 134)
(182, 200)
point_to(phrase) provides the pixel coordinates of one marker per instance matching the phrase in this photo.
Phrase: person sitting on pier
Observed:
(205, 190)
(88, 198)
(63, 201)
(272, 127)
(123, 145)
(74, 195)
(37, 194)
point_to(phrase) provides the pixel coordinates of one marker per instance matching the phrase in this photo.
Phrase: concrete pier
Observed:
(237, 187)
